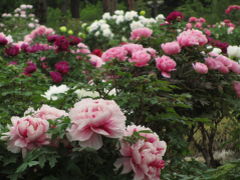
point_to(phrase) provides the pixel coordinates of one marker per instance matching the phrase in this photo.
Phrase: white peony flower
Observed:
(9, 39)
(97, 33)
(104, 26)
(107, 33)
(136, 25)
(81, 93)
(233, 51)
(230, 30)
(216, 50)
(160, 18)
(106, 16)
(130, 15)
(119, 12)
(120, 19)
(53, 91)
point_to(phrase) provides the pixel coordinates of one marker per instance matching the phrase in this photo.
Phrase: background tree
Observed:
(109, 5)
(75, 6)
(41, 11)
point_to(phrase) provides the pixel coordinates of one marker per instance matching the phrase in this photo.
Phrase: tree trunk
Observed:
(109, 6)
(131, 4)
(75, 5)
(41, 11)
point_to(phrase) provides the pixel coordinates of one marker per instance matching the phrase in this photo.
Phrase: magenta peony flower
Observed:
(92, 119)
(62, 67)
(12, 51)
(171, 48)
(56, 77)
(114, 53)
(139, 33)
(26, 134)
(236, 86)
(144, 157)
(31, 67)
(175, 15)
(191, 38)
(200, 68)
(140, 58)
(95, 60)
(165, 64)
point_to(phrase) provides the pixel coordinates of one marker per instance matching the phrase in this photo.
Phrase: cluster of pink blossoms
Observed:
(231, 8)
(134, 53)
(144, 157)
(30, 131)
(92, 119)
(39, 31)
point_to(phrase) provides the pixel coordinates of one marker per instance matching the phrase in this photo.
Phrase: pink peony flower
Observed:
(151, 51)
(165, 64)
(92, 119)
(139, 33)
(200, 68)
(56, 77)
(192, 19)
(235, 67)
(212, 63)
(26, 134)
(95, 60)
(130, 47)
(171, 48)
(236, 86)
(231, 8)
(83, 49)
(140, 58)
(191, 38)
(175, 15)
(188, 26)
(114, 53)
(144, 157)
(62, 67)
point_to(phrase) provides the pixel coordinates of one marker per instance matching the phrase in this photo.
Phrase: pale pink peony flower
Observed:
(236, 86)
(95, 60)
(144, 157)
(47, 112)
(188, 26)
(212, 63)
(26, 134)
(151, 51)
(191, 38)
(140, 58)
(130, 47)
(83, 49)
(171, 48)
(139, 33)
(165, 64)
(92, 119)
(235, 67)
(200, 68)
(115, 53)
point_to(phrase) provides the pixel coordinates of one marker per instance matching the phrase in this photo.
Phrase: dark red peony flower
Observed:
(97, 52)
(52, 38)
(12, 51)
(74, 40)
(175, 15)
(62, 67)
(3, 41)
(62, 44)
(56, 76)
